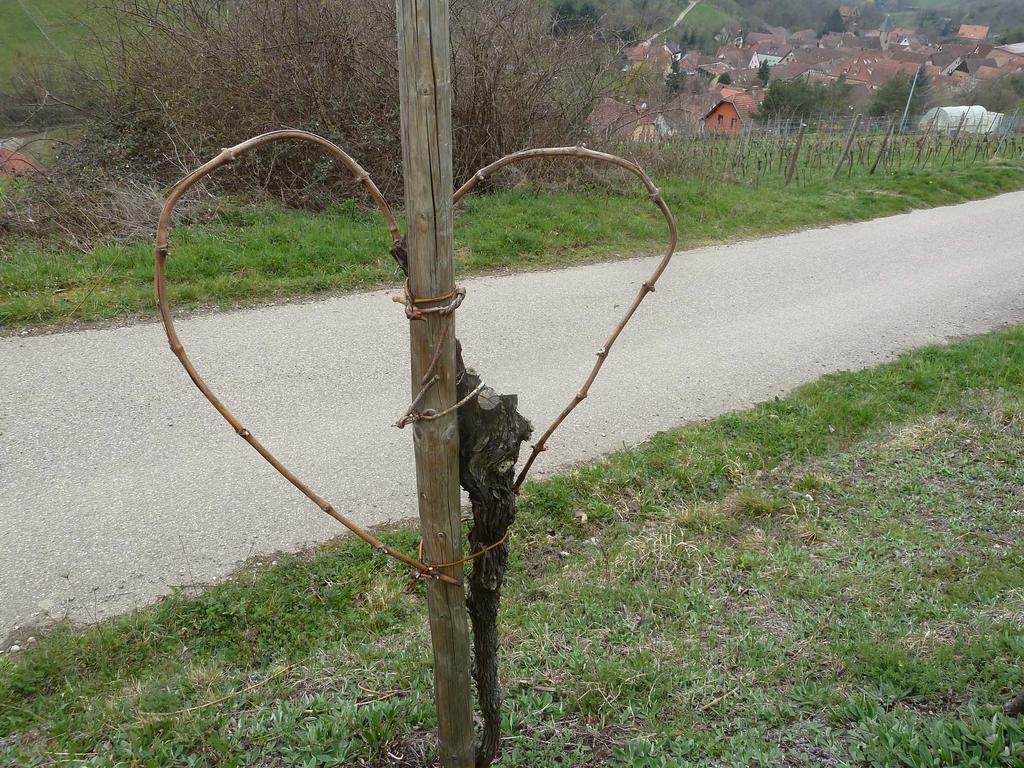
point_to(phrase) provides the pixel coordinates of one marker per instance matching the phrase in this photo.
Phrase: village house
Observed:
(731, 115)
(973, 33)
(1010, 56)
(804, 38)
(723, 119)
(873, 71)
(658, 57)
(772, 55)
(714, 69)
(839, 40)
(901, 38)
(613, 120)
(864, 60)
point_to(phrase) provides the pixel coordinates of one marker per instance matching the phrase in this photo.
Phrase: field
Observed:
(36, 30)
(706, 20)
(834, 578)
(257, 254)
(877, 147)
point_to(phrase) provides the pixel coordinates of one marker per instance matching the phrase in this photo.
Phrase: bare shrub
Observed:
(182, 78)
(93, 209)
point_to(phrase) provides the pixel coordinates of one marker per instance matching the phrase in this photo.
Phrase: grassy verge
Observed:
(254, 255)
(833, 578)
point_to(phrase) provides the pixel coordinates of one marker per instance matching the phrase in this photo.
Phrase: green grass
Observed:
(252, 255)
(831, 578)
(33, 31)
(707, 19)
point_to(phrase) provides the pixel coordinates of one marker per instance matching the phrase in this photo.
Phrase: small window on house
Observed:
(721, 119)
(732, 123)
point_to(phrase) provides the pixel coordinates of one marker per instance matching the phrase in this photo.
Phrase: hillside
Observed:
(1005, 17)
(33, 31)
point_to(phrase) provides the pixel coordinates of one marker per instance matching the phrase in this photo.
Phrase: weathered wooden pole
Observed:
(796, 154)
(425, 93)
(846, 149)
(885, 145)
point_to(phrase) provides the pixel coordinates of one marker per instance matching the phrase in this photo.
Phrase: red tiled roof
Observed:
(986, 72)
(716, 68)
(616, 119)
(15, 164)
(745, 102)
(790, 71)
(873, 70)
(973, 64)
(972, 32)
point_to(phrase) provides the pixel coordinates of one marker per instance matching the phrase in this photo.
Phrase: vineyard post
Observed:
(846, 149)
(425, 96)
(796, 154)
(1006, 132)
(885, 145)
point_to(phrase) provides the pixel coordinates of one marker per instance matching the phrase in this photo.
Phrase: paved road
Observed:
(118, 481)
(674, 24)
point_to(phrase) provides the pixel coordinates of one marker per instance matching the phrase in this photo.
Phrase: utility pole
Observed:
(425, 94)
(906, 109)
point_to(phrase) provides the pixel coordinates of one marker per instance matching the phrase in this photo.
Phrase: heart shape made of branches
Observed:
(229, 155)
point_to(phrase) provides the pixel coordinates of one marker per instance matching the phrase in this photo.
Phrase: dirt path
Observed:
(679, 20)
(118, 481)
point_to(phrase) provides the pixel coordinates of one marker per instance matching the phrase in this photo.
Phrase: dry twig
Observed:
(647, 287)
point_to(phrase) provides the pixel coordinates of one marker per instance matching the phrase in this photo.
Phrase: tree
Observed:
(764, 72)
(1014, 34)
(725, 79)
(567, 17)
(834, 23)
(676, 80)
(1005, 94)
(891, 98)
(801, 99)
(836, 96)
(790, 99)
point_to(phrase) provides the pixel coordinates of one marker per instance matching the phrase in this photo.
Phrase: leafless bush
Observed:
(94, 209)
(182, 78)
(168, 83)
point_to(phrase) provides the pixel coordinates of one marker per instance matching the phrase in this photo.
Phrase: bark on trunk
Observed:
(491, 433)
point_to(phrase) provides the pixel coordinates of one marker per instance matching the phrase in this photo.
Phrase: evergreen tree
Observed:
(567, 17)
(834, 23)
(891, 99)
(790, 99)
(676, 79)
(764, 72)
(837, 97)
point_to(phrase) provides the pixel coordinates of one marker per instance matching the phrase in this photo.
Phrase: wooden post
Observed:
(885, 145)
(846, 149)
(796, 154)
(425, 94)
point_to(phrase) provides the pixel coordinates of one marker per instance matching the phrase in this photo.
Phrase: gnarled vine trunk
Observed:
(491, 433)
